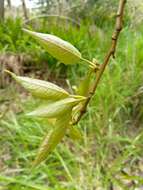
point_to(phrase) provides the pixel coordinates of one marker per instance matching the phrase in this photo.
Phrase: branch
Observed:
(110, 53)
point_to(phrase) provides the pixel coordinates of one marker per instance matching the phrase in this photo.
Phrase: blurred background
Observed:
(110, 156)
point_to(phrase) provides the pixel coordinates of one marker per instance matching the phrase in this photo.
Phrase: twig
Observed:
(110, 53)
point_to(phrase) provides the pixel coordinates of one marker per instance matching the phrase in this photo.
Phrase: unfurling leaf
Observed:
(41, 89)
(58, 48)
(57, 108)
(76, 110)
(51, 120)
(84, 86)
(50, 141)
(75, 133)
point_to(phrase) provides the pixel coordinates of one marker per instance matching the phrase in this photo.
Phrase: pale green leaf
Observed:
(84, 86)
(57, 108)
(41, 89)
(58, 48)
(50, 141)
(76, 110)
(75, 133)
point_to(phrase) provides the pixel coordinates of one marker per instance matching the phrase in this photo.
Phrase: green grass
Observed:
(111, 149)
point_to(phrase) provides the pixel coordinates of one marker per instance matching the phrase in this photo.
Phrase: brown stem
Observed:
(110, 53)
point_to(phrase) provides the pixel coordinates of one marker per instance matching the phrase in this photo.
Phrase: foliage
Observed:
(67, 53)
(111, 148)
(61, 110)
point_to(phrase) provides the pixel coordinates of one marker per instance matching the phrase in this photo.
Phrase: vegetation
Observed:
(109, 156)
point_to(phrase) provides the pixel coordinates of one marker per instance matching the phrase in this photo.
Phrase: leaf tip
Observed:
(29, 114)
(28, 31)
(7, 71)
(10, 73)
(25, 30)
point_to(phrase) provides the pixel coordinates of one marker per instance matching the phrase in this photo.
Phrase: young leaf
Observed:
(75, 133)
(50, 141)
(57, 108)
(76, 110)
(58, 48)
(84, 86)
(41, 89)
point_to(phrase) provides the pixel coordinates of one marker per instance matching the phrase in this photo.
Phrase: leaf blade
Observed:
(55, 109)
(51, 141)
(84, 86)
(41, 89)
(57, 47)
